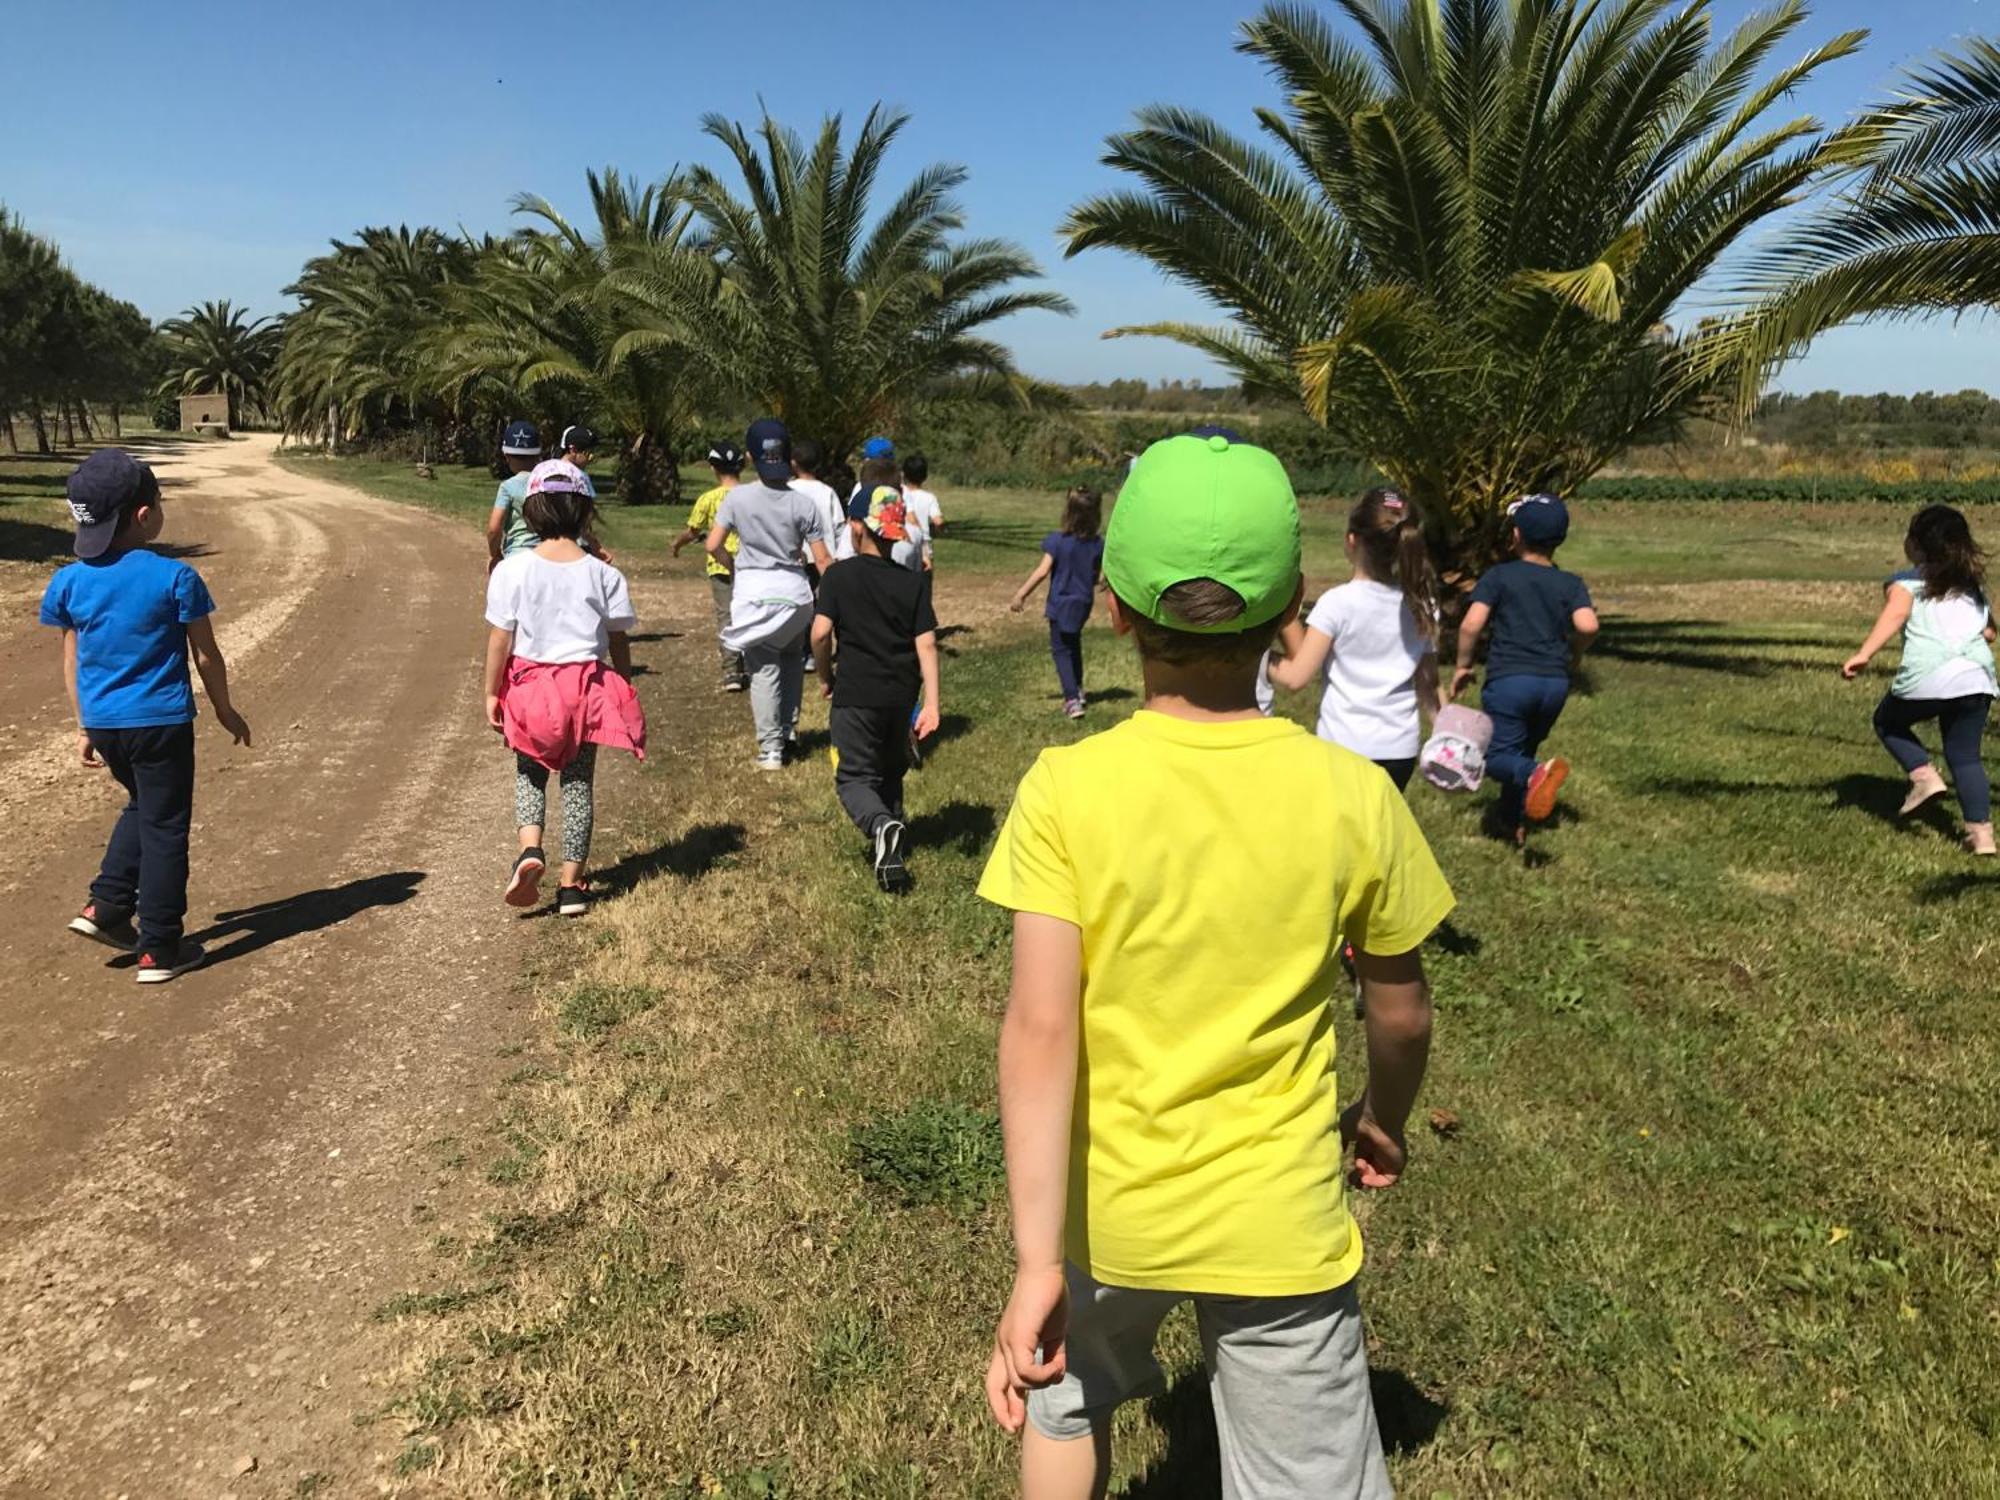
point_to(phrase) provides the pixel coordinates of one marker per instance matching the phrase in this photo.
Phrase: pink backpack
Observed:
(1454, 757)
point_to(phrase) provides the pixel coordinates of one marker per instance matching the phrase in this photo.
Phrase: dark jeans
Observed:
(1400, 771)
(874, 747)
(1523, 710)
(1961, 722)
(146, 863)
(1066, 646)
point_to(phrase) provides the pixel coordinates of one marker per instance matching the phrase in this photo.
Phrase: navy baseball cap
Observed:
(726, 456)
(878, 447)
(521, 440)
(1542, 520)
(578, 437)
(99, 489)
(770, 448)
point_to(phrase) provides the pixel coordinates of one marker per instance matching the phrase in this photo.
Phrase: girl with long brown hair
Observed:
(1072, 558)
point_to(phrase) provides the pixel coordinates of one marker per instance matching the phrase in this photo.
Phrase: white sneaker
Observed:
(890, 872)
(771, 762)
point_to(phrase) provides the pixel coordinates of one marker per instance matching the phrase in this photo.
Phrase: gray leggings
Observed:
(531, 799)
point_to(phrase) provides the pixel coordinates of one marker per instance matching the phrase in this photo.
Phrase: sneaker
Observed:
(890, 872)
(775, 761)
(524, 886)
(1543, 785)
(572, 900)
(1073, 707)
(735, 684)
(101, 924)
(1925, 786)
(1978, 839)
(158, 968)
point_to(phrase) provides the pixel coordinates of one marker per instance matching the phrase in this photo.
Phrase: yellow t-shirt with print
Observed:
(1213, 869)
(701, 519)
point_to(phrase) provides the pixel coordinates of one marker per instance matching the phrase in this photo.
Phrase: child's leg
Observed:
(1510, 758)
(116, 889)
(531, 799)
(1068, 659)
(160, 765)
(766, 667)
(1066, 1452)
(719, 594)
(1400, 771)
(1895, 725)
(791, 691)
(1293, 1413)
(895, 733)
(857, 735)
(579, 812)
(1963, 722)
(1073, 1469)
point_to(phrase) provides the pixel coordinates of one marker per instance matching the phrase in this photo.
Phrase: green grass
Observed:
(1720, 1213)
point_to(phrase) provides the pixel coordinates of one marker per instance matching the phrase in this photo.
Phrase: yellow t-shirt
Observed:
(701, 518)
(1213, 869)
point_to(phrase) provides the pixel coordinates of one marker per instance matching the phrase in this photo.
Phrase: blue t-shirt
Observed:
(1073, 582)
(1531, 607)
(130, 611)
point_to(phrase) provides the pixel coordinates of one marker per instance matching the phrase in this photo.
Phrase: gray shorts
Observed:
(1289, 1376)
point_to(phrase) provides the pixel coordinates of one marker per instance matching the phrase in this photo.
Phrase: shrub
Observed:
(932, 1153)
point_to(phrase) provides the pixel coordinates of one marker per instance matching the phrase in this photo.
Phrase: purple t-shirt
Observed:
(1073, 583)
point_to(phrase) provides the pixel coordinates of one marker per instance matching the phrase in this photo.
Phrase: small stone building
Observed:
(209, 411)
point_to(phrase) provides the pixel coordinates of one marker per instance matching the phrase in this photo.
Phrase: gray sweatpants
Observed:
(1289, 1375)
(777, 683)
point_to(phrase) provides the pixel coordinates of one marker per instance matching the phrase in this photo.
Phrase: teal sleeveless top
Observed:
(1928, 645)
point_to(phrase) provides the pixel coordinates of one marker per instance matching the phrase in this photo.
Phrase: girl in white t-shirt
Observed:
(558, 664)
(1939, 607)
(1373, 640)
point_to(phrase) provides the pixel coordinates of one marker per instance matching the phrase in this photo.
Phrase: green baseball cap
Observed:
(1205, 506)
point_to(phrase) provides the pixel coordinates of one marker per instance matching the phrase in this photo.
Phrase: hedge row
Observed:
(1795, 489)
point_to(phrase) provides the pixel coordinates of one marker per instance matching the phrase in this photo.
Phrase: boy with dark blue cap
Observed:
(130, 619)
(1543, 622)
(506, 531)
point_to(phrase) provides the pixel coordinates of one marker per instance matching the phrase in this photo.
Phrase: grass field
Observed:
(1719, 1214)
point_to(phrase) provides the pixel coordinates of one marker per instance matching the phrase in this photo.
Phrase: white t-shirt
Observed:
(925, 507)
(559, 611)
(1370, 703)
(839, 540)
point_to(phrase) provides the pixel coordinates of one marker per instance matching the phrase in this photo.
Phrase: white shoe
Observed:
(770, 762)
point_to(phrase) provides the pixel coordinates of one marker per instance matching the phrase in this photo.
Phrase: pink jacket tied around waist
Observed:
(553, 709)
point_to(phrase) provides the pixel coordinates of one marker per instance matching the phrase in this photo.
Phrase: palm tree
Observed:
(217, 347)
(1461, 243)
(1915, 228)
(819, 317)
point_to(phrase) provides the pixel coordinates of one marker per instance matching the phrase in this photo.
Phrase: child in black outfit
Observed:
(888, 651)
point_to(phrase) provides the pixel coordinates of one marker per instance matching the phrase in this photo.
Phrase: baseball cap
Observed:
(1543, 520)
(579, 438)
(558, 476)
(99, 489)
(878, 447)
(726, 455)
(770, 448)
(1205, 507)
(521, 440)
(881, 510)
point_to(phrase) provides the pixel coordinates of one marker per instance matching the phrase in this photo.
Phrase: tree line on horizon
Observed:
(1457, 244)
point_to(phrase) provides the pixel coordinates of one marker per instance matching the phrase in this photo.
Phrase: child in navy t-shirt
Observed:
(1072, 558)
(129, 619)
(1543, 622)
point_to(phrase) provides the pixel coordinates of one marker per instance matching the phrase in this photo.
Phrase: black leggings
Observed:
(1961, 723)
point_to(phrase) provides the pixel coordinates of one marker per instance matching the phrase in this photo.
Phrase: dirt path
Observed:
(206, 1187)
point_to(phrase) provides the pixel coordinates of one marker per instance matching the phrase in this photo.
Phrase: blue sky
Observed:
(321, 119)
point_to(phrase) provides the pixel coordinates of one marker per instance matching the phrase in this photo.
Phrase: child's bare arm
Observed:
(1397, 1001)
(1583, 626)
(621, 652)
(1038, 1051)
(1895, 615)
(499, 646)
(215, 678)
(822, 650)
(84, 750)
(1042, 570)
(1469, 631)
(1303, 662)
(927, 669)
(718, 547)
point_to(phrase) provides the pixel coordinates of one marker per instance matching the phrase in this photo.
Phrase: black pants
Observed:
(1400, 771)
(874, 749)
(146, 863)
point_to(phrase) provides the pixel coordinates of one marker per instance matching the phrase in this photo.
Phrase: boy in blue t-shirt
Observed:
(129, 619)
(1543, 622)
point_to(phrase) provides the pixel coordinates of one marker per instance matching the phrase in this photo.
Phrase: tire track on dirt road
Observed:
(208, 1186)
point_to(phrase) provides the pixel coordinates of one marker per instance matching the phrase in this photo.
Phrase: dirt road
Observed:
(207, 1186)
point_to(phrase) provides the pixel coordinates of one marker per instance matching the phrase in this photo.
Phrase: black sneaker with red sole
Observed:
(101, 924)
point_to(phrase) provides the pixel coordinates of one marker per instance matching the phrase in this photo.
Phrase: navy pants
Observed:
(146, 863)
(1961, 722)
(1066, 646)
(1523, 710)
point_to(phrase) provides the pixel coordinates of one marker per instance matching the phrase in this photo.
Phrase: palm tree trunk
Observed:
(41, 430)
(68, 422)
(117, 425)
(7, 421)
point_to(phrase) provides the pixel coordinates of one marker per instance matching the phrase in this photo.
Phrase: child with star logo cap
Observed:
(1182, 886)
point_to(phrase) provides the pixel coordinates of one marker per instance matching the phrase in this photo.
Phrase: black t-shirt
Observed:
(878, 609)
(1531, 605)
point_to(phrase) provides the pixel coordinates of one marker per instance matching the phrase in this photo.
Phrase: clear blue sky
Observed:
(177, 159)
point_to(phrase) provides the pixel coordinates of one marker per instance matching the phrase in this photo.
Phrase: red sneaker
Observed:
(1543, 786)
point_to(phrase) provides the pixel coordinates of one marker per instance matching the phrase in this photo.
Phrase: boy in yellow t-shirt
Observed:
(726, 459)
(1166, 1064)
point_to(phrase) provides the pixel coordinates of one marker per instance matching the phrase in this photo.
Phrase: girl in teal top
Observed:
(1947, 673)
